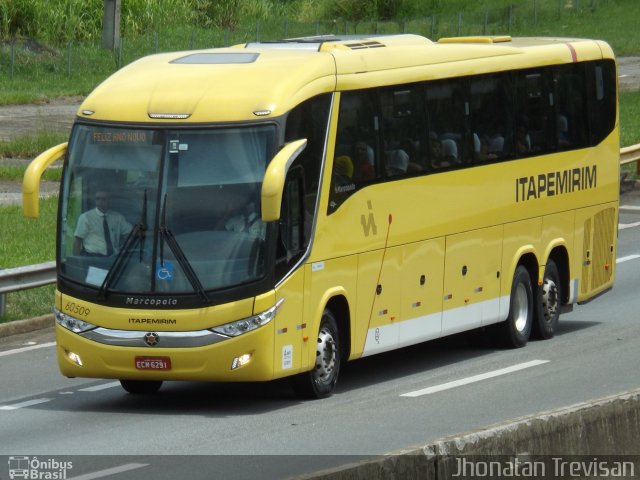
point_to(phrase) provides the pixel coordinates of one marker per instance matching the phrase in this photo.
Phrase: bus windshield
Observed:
(164, 211)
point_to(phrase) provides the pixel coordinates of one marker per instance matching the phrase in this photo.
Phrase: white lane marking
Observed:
(37, 401)
(475, 378)
(26, 349)
(97, 388)
(627, 258)
(110, 471)
(629, 207)
(622, 226)
(28, 403)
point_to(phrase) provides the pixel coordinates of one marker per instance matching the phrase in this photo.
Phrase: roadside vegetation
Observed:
(51, 49)
(25, 241)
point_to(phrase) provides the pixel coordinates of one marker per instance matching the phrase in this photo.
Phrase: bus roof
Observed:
(253, 80)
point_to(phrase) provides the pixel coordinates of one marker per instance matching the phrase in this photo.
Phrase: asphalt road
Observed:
(382, 404)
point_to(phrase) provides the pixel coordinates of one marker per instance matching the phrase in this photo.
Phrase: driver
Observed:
(99, 231)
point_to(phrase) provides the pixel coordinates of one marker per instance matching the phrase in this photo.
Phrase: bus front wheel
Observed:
(548, 300)
(517, 329)
(322, 379)
(141, 386)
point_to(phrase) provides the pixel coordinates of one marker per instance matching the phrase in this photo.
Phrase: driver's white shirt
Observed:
(89, 229)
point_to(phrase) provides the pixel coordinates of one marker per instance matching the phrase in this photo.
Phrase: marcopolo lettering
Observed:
(152, 302)
(555, 183)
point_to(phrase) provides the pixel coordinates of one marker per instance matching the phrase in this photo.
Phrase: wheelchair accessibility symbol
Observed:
(165, 271)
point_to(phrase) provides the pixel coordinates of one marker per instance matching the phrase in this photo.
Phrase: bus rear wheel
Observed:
(322, 379)
(517, 329)
(141, 387)
(548, 302)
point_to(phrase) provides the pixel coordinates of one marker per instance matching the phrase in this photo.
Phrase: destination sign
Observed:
(127, 137)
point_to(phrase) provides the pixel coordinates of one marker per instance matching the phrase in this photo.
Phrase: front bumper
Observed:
(194, 356)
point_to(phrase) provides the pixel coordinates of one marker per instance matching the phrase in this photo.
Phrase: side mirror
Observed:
(31, 179)
(274, 177)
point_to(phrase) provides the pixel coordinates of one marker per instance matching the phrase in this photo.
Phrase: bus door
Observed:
(290, 324)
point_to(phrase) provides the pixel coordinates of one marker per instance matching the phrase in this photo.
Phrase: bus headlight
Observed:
(71, 323)
(245, 325)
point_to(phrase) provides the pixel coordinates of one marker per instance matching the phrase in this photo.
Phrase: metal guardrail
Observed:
(23, 278)
(31, 276)
(629, 155)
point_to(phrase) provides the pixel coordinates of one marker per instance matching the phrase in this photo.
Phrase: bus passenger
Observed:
(342, 171)
(449, 152)
(397, 162)
(99, 231)
(363, 170)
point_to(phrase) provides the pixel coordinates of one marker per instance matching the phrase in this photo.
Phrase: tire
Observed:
(517, 328)
(548, 303)
(141, 387)
(320, 381)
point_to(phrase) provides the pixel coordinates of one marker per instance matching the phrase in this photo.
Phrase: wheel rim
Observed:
(325, 355)
(549, 299)
(520, 308)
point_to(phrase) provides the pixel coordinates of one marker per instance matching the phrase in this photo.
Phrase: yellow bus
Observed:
(276, 209)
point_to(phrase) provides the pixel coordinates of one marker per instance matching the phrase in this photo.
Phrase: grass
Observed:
(16, 172)
(36, 245)
(30, 145)
(31, 71)
(629, 118)
(630, 125)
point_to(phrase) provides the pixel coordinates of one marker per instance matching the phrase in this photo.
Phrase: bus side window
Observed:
(402, 123)
(571, 127)
(357, 140)
(601, 97)
(447, 112)
(491, 118)
(533, 131)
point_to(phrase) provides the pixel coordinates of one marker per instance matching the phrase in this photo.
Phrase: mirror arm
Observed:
(31, 179)
(274, 178)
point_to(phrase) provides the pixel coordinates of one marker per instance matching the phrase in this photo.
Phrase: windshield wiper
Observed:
(178, 253)
(137, 234)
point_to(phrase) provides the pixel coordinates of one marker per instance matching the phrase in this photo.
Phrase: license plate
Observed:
(153, 363)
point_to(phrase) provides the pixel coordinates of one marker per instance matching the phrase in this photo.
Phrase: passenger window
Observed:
(491, 119)
(571, 126)
(447, 111)
(402, 126)
(533, 131)
(601, 95)
(356, 158)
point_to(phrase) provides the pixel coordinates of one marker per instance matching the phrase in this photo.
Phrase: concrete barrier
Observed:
(571, 442)
(23, 326)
